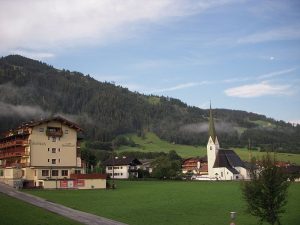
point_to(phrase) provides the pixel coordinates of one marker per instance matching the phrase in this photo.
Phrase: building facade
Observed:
(40, 151)
(123, 167)
(195, 166)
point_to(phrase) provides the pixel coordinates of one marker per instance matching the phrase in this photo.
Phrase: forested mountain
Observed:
(30, 89)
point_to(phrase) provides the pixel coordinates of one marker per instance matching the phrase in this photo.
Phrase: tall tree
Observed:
(266, 193)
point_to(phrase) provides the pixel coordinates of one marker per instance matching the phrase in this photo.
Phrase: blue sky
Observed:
(239, 54)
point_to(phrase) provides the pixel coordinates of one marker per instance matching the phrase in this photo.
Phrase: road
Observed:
(82, 217)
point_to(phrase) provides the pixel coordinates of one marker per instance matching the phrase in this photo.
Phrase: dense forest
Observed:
(30, 90)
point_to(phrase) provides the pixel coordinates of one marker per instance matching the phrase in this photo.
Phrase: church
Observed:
(223, 164)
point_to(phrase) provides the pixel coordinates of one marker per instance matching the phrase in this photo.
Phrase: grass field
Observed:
(16, 212)
(169, 202)
(152, 143)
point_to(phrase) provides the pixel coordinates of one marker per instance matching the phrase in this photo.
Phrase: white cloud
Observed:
(58, 24)
(33, 54)
(257, 90)
(278, 34)
(276, 73)
(180, 86)
(295, 121)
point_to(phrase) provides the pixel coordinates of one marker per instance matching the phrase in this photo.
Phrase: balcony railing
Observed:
(54, 133)
(13, 143)
(19, 165)
(11, 153)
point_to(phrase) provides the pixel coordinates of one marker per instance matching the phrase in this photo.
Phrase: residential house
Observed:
(195, 166)
(123, 167)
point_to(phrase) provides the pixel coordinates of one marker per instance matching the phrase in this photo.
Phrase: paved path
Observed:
(82, 217)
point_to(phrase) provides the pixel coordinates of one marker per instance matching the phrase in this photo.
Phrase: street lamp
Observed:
(232, 217)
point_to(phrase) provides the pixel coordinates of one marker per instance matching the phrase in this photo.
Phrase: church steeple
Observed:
(212, 130)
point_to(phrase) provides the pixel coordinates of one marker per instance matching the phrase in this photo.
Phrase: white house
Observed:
(223, 164)
(122, 167)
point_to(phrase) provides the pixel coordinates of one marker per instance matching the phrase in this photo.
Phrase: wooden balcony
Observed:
(19, 165)
(54, 132)
(13, 143)
(12, 153)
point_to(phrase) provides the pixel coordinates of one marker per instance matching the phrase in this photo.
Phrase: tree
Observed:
(266, 193)
(166, 168)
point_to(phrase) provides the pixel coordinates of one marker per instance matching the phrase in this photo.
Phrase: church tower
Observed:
(212, 145)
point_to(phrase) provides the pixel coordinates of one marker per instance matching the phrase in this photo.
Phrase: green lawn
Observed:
(169, 202)
(16, 212)
(152, 143)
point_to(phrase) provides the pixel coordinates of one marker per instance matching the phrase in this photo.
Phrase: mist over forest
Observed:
(32, 90)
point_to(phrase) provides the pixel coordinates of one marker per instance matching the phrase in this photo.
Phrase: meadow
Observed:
(16, 212)
(169, 202)
(152, 143)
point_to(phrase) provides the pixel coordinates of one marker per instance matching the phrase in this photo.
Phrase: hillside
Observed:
(30, 89)
(152, 143)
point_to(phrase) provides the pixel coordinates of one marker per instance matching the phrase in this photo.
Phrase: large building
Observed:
(39, 152)
(223, 164)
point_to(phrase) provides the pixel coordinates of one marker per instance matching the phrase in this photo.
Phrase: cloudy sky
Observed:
(240, 54)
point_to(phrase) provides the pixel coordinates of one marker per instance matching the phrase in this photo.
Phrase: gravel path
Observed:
(82, 217)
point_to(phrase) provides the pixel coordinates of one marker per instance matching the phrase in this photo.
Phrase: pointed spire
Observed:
(212, 130)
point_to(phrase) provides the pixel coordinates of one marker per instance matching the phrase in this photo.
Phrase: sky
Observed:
(238, 54)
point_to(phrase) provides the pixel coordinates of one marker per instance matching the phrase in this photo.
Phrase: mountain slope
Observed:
(30, 89)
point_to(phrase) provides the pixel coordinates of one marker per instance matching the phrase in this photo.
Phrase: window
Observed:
(59, 149)
(210, 148)
(53, 139)
(66, 131)
(109, 168)
(53, 161)
(64, 173)
(58, 160)
(41, 129)
(221, 174)
(48, 149)
(77, 171)
(1, 173)
(121, 167)
(53, 150)
(48, 160)
(45, 173)
(54, 173)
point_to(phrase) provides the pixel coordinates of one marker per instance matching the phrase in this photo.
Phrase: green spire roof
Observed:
(212, 130)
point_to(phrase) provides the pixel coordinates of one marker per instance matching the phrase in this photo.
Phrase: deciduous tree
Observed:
(266, 193)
